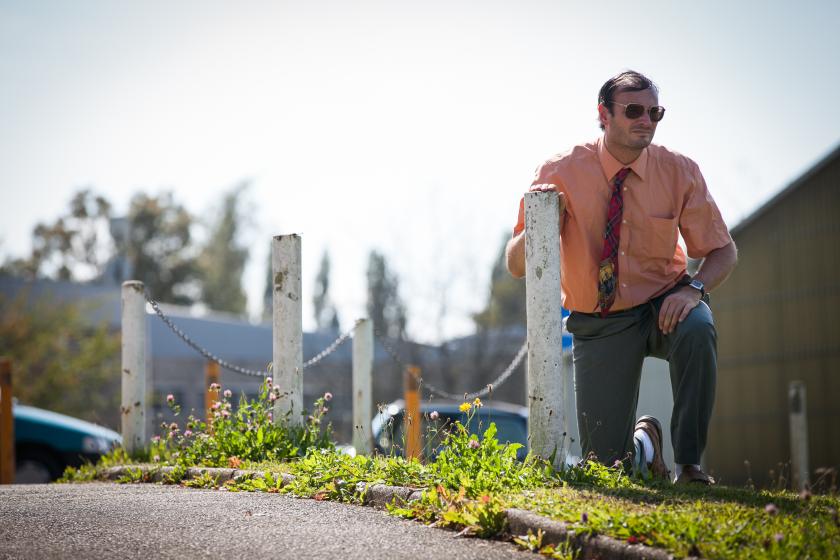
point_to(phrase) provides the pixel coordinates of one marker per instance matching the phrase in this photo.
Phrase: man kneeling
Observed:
(623, 203)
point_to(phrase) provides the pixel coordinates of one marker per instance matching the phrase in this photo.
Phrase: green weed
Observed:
(134, 476)
(562, 551)
(482, 517)
(84, 473)
(248, 435)
(482, 466)
(204, 480)
(268, 482)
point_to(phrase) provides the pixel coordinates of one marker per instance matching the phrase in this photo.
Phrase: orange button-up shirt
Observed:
(665, 195)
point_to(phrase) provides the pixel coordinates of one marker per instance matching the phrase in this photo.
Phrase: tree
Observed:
(384, 305)
(159, 248)
(222, 260)
(156, 244)
(74, 247)
(506, 300)
(326, 316)
(17, 267)
(61, 362)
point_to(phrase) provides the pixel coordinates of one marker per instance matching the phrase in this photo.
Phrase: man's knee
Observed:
(698, 327)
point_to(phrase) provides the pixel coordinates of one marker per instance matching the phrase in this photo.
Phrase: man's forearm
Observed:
(515, 248)
(717, 266)
(515, 255)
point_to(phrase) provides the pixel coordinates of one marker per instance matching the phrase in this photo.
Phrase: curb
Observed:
(521, 521)
(596, 547)
(154, 473)
(380, 495)
(376, 495)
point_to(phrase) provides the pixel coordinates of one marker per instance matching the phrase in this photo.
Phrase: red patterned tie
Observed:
(608, 267)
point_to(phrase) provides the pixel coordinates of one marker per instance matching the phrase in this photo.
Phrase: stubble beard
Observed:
(635, 142)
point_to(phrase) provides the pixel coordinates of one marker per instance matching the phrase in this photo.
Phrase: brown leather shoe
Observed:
(692, 475)
(653, 429)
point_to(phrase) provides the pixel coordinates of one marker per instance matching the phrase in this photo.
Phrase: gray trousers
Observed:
(608, 356)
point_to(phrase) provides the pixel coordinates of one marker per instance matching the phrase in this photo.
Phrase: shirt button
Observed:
(625, 188)
(623, 285)
(623, 221)
(622, 252)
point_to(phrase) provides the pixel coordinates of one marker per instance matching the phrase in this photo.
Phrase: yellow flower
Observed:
(477, 402)
(464, 407)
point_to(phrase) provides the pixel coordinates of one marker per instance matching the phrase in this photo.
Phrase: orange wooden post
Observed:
(7, 424)
(211, 375)
(411, 382)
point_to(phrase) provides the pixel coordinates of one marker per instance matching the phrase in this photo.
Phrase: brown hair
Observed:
(629, 80)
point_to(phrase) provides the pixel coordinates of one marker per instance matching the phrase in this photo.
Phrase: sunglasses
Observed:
(636, 110)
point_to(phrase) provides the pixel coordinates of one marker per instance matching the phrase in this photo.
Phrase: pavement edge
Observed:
(520, 521)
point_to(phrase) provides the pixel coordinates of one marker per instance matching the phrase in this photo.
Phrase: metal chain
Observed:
(389, 349)
(490, 386)
(195, 346)
(331, 348)
(465, 396)
(227, 365)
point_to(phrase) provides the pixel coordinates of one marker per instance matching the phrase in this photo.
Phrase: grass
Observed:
(473, 481)
(716, 522)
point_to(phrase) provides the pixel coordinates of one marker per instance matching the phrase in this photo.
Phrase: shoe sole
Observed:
(655, 423)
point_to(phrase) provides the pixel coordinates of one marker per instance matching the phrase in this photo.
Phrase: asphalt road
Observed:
(147, 520)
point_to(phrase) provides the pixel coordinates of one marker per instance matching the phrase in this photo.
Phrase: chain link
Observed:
(389, 349)
(523, 351)
(332, 347)
(490, 386)
(233, 367)
(195, 346)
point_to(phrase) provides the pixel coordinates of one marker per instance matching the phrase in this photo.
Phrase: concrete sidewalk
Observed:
(140, 521)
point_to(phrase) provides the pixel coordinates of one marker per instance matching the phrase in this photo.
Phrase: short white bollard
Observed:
(287, 328)
(547, 425)
(798, 435)
(362, 385)
(133, 407)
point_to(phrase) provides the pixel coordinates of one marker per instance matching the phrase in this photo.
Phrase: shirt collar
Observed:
(611, 166)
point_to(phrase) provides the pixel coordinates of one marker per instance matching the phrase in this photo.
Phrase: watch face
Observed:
(697, 285)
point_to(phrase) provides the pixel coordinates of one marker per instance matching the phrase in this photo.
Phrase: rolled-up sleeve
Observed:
(544, 175)
(701, 223)
(520, 220)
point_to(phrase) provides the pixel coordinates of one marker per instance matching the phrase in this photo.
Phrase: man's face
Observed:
(629, 133)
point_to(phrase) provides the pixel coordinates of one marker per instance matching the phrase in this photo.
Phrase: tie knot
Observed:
(622, 174)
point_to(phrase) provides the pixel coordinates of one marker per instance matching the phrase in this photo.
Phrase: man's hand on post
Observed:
(676, 308)
(515, 248)
(561, 198)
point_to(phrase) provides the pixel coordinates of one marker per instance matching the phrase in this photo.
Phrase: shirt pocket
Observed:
(659, 243)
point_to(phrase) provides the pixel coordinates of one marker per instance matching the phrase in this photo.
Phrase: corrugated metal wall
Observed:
(778, 319)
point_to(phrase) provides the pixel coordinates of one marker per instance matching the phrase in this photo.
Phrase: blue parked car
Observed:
(389, 436)
(47, 442)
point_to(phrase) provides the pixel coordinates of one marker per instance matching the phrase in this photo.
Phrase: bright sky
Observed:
(410, 127)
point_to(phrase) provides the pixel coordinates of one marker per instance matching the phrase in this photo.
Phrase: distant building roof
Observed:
(802, 179)
(104, 299)
(229, 337)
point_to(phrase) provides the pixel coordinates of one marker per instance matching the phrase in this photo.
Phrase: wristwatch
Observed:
(698, 285)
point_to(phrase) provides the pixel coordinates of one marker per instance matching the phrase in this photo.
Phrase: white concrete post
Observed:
(133, 407)
(287, 328)
(547, 425)
(362, 385)
(798, 434)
